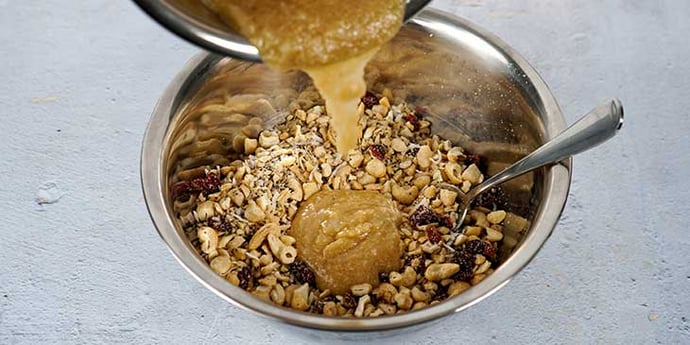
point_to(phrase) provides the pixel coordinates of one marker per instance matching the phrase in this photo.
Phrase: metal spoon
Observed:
(191, 21)
(594, 128)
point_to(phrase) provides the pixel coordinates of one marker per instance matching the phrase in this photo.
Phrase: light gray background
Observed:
(79, 78)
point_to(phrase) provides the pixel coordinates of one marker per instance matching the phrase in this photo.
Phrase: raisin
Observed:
(423, 215)
(481, 247)
(473, 159)
(373, 299)
(383, 277)
(493, 199)
(377, 151)
(474, 247)
(440, 294)
(329, 298)
(416, 261)
(432, 234)
(207, 184)
(466, 262)
(316, 307)
(370, 100)
(245, 276)
(480, 161)
(302, 273)
(220, 225)
(348, 301)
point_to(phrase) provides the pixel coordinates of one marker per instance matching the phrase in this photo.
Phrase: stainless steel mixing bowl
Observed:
(476, 90)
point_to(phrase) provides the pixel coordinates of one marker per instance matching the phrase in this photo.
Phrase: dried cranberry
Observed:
(207, 184)
(370, 100)
(466, 262)
(481, 247)
(423, 215)
(377, 151)
(419, 113)
(490, 251)
(416, 261)
(348, 301)
(432, 234)
(302, 273)
(413, 120)
(245, 276)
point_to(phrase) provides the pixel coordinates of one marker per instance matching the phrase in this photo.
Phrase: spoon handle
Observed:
(594, 128)
(414, 6)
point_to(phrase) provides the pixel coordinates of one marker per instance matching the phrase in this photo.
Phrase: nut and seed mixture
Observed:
(241, 213)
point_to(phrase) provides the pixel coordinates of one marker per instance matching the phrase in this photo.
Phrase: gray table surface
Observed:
(79, 78)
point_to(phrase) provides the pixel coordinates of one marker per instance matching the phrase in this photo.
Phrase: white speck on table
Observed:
(79, 79)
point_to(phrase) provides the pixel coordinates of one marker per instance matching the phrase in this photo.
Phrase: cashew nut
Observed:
(355, 159)
(209, 239)
(309, 189)
(300, 298)
(268, 139)
(457, 288)
(376, 168)
(493, 235)
(473, 174)
(496, 217)
(296, 187)
(205, 210)
(220, 264)
(448, 197)
(360, 289)
(404, 195)
(261, 234)
(453, 173)
(253, 212)
(398, 145)
(455, 154)
(286, 254)
(424, 157)
(438, 272)
(361, 304)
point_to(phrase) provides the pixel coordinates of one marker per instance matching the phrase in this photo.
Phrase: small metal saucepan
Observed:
(192, 21)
